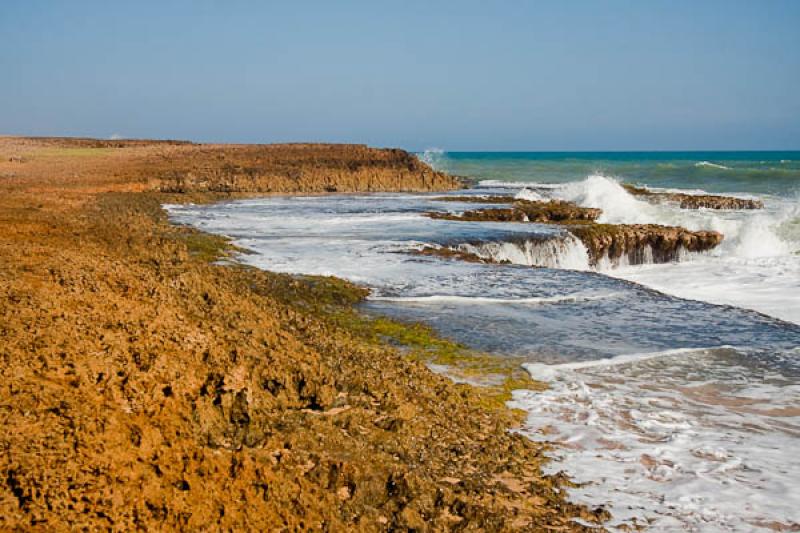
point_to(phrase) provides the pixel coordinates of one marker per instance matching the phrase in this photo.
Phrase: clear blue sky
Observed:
(546, 75)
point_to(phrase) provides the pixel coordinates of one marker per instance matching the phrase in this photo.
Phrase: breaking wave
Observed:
(757, 266)
(433, 157)
(709, 164)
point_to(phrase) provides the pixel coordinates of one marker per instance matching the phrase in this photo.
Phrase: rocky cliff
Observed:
(298, 167)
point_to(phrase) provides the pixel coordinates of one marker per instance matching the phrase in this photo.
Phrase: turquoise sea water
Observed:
(776, 173)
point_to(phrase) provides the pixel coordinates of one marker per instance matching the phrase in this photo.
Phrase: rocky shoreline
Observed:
(148, 386)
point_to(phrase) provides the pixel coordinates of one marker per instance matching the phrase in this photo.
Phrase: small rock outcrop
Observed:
(695, 201)
(642, 243)
(526, 211)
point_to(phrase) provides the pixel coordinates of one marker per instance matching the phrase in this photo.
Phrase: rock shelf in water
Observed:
(695, 201)
(632, 243)
(642, 243)
(526, 211)
(492, 199)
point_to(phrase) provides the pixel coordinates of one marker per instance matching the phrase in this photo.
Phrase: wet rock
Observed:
(526, 211)
(642, 243)
(494, 199)
(695, 201)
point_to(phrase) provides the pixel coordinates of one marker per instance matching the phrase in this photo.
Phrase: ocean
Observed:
(674, 388)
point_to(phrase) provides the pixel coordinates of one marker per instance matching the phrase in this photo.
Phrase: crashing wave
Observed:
(433, 157)
(530, 195)
(562, 251)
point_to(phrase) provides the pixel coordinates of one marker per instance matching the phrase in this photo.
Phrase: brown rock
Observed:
(477, 199)
(695, 201)
(526, 211)
(639, 243)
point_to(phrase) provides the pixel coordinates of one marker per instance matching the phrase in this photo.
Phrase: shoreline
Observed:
(228, 396)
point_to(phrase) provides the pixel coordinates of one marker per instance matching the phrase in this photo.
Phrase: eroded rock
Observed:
(492, 199)
(695, 201)
(526, 211)
(642, 243)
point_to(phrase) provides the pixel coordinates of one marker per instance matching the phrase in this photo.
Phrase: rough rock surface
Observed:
(145, 387)
(640, 243)
(695, 201)
(450, 253)
(526, 211)
(299, 167)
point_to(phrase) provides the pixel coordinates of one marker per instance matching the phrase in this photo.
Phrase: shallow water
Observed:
(677, 411)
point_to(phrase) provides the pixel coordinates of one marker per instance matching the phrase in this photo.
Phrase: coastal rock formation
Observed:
(146, 387)
(227, 169)
(633, 243)
(298, 167)
(491, 199)
(642, 243)
(526, 211)
(695, 201)
(452, 253)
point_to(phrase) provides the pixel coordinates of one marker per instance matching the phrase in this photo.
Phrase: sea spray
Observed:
(561, 251)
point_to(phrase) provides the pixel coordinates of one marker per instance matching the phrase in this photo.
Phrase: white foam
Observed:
(530, 195)
(686, 440)
(544, 372)
(756, 266)
(449, 298)
(433, 157)
(605, 193)
(564, 251)
(711, 165)
(500, 184)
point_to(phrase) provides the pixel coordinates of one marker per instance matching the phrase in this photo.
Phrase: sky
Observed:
(457, 75)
